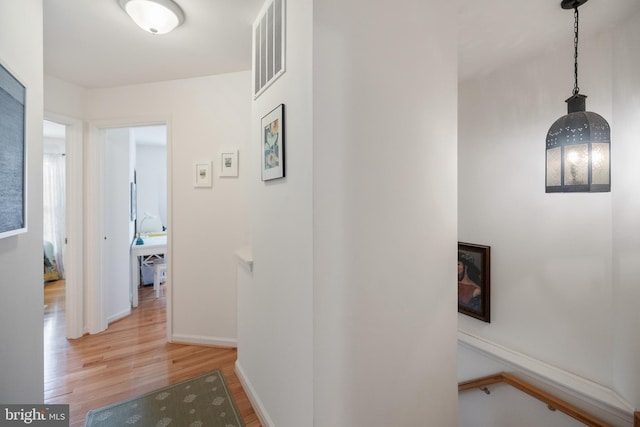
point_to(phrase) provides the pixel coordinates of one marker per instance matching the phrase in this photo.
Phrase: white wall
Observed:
(275, 334)
(206, 224)
(21, 285)
(626, 209)
(562, 279)
(63, 98)
(338, 326)
(151, 176)
(206, 115)
(551, 271)
(384, 213)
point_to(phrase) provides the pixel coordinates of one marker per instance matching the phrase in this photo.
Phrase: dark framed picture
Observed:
(474, 281)
(273, 144)
(13, 187)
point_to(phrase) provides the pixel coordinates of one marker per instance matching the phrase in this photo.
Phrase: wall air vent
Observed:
(268, 46)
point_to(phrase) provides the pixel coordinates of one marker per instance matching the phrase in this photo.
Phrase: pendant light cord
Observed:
(576, 89)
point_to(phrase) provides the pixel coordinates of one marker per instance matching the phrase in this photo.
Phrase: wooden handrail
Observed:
(636, 419)
(552, 402)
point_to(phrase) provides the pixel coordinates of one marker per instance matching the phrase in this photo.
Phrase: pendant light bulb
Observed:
(578, 144)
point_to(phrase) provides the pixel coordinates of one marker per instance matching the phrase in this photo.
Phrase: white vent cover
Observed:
(268, 46)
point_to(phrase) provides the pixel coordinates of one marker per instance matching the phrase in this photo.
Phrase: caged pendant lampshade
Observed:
(154, 16)
(578, 144)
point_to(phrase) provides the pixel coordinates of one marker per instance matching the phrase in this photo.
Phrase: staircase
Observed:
(553, 403)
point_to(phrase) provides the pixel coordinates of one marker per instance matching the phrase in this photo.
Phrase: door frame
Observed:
(94, 172)
(74, 246)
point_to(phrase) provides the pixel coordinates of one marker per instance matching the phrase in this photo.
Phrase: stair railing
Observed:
(553, 402)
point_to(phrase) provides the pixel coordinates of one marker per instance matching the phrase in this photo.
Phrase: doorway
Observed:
(53, 228)
(122, 159)
(63, 155)
(54, 199)
(134, 206)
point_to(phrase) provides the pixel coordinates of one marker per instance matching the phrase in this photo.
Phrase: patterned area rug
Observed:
(204, 401)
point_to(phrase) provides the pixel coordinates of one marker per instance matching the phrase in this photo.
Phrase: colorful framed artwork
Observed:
(229, 163)
(474, 281)
(13, 183)
(202, 174)
(273, 144)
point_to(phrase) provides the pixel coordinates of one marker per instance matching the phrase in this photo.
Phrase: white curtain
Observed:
(54, 198)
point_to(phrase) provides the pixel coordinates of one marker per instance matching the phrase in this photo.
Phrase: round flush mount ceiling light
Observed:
(154, 16)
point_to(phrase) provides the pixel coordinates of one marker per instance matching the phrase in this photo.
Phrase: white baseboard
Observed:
(202, 340)
(256, 403)
(592, 393)
(119, 316)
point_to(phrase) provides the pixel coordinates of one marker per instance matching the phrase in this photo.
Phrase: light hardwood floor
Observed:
(130, 358)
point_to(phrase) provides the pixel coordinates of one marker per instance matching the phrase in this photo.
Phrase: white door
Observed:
(73, 248)
(116, 226)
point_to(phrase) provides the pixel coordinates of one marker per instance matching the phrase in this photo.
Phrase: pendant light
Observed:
(579, 143)
(154, 16)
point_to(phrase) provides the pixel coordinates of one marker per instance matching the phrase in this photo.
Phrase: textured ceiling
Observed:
(94, 44)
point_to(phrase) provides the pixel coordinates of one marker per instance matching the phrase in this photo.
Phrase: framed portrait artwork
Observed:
(13, 183)
(273, 144)
(474, 281)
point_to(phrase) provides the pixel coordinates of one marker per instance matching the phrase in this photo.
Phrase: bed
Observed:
(51, 272)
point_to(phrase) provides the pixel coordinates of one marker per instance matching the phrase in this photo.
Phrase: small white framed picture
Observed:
(229, 163)
(202, 174)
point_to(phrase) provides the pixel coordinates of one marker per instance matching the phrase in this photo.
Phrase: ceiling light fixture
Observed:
(579, 143)
(154, 16)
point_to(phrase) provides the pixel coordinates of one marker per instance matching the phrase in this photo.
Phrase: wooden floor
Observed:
(130, 358)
